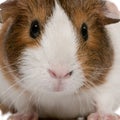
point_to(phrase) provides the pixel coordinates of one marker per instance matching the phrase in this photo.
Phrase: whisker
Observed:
(4, 94)
(8, 65)
(13, 102)
(15, 83)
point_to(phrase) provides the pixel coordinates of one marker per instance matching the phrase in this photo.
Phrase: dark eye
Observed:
(35, 29)
(84, 31)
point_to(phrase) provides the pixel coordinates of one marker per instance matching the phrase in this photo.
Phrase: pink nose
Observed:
(59, 74)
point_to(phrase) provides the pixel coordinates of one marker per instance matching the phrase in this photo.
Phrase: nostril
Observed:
(52, 73)
(69, 74)
(59, 74)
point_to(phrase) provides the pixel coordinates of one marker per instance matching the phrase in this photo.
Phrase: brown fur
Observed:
(4, 108)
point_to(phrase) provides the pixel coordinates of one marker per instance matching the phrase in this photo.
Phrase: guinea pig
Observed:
(60, 59)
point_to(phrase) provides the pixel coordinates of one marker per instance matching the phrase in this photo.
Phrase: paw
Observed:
(18, 116)
(97, 116)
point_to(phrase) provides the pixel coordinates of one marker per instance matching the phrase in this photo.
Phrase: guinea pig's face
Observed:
(58, 45)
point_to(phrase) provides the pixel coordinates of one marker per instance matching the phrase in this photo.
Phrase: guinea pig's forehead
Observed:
(44, 8)
(86, 6)
(35, 8)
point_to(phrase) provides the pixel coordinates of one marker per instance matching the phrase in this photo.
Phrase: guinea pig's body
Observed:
(57, 58)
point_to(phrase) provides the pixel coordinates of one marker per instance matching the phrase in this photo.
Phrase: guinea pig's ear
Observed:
(111, 13)
(8, 9)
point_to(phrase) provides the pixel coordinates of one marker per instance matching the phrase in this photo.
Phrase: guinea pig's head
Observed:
(58, 45)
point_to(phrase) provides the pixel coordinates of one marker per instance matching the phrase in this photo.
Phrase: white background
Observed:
(117, 2)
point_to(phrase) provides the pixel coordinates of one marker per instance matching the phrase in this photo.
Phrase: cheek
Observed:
(35, 76)
(33, 70)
